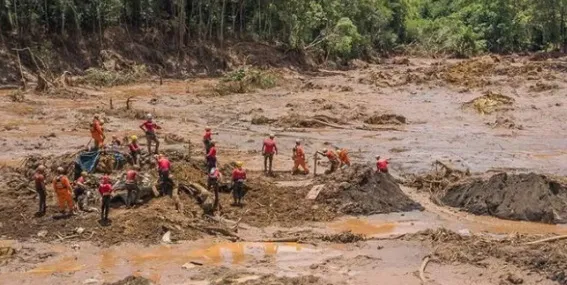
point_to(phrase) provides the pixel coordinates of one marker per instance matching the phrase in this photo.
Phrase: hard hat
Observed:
(239, 163)
(96, 116)
(207, 128)
(41, 168)
(149, 116)
(325, 150)
(213, 170)
(297, 141)
(60, 169)
(84, 173)
(213, 142)
(114, 137)
(377, 157)
(272, 135)
(136, 167)
(134, 138)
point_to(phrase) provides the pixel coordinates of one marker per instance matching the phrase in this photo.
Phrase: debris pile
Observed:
(490, 102)
(440, 177)
(528, 197)
(318, 121)
(359, 190)
(386, 119)
(132, 280)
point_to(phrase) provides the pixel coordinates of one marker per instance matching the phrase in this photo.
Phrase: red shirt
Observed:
(382, 165)
(215, 174)
(164, 164)
(331, 155)
(150, 126)
(208, 135)
(39, 180)
(270, 146)
(105, 180)
(105, 189)
(212, 152)
(131, 175)
(134, 147)
(238, 174)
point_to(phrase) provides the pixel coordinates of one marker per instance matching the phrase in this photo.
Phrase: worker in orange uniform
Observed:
(39, 179)
(344, 160)
(212, 156)
(207, 139)
(238, 179)
(105, 190)
(299, 158)
(63, 190)
(381, 165)
(97, 132)
(333, 159)
(269, 148)
(149, 127)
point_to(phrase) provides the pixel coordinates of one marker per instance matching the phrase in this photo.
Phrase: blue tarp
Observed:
(87, 160)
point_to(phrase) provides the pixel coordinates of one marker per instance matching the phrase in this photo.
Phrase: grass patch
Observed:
(246, 80)
(101, 77)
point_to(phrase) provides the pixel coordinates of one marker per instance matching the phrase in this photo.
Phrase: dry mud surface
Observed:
(495, 116)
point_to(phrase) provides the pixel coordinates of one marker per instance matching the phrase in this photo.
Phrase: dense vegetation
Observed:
(342, 28)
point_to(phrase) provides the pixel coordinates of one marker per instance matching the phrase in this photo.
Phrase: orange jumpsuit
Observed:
(299, 159)
(97, 133)
(343, 156)
(62, 188)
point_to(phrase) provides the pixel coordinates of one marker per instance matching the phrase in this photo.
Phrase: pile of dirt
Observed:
(299, 121)
(261, 120)
(310, 236)
(490, 102)
(359, 190)
(471, 73)
(440, 177)
(386, 119)
(529, 197)
(132, 280)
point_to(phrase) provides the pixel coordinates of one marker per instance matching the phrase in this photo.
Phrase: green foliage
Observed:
(101, 77)
(246, 80)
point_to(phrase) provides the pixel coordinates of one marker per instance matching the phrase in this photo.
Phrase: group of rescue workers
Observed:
(69, 195)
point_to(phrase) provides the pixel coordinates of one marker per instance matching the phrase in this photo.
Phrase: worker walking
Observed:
(132, 186)
(105, 190)
(39, 179)
(332, 156)
(97, 132)
(212, 156)
(207, 139)
(344, 159)
(163, 170)
(134, 149)
(63, 190)
(213, 178)
(381, 165)
(269, 148)
(299, 158)
(149, 127)
(238, 179)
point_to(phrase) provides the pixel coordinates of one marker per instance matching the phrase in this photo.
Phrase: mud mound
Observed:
(386, 119)
(529, 197)
(359, 190)
(490, 102)
(300, 121)
(471, 72)
(131, 280)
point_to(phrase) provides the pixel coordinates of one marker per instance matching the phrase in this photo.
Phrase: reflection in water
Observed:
(358, 226)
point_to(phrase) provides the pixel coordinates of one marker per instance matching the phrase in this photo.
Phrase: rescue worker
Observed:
(132, 186)
(115, 144)
(238, 179)
(39, 179)
(163, 170)
(212, 156)
(213, 179)
(207, 139)
(63, 190)
(149, 127)
(381, 165)
(97, 132)
(269, 148)
(344, 160)
(105, 190)
(299, 158)
(332, 156)
(80, 191)
(134, 149)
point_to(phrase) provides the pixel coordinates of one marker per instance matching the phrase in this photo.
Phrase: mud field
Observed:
(477, 151)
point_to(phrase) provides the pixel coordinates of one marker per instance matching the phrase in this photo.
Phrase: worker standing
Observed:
(63, 190)
(299, 158)
(332, 156)
(80, 191)
(132, 186)
(134, 149)
(105, 190)
(213, 179)
(269, 148)
(344, 159)
(238, 179)
(39, 179)
(207, 139)
(381, 165)
(149, 127)
(212, 156)
(163, 170)
(97, 132)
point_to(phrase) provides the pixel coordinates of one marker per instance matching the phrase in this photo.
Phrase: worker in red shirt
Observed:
(105, 190)
(63, 190)
(149, 127)
(238, 179)
(134, 149)
(207, 139)
(132, 178)
(212, 156)
(299, 158)
(39, 179)
(163, 170)
(213, 178)
(333, 159)
(269, 148)
(381, 165)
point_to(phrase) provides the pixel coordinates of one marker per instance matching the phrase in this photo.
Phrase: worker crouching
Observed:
(333, 159)
(238, 179)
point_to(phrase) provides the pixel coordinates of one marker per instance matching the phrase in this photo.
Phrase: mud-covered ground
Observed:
(487, 115)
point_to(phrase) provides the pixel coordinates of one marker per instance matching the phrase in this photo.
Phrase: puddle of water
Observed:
(64, 265)
(358, 226)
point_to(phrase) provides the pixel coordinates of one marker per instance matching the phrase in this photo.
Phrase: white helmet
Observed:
(297, 141)
(272, 135)
(213, 170)
(149, 116)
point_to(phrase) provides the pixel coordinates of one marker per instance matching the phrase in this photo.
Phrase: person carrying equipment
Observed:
(238, 179)
(134, 149)
(149, 127)
(39, 179)
(299, 158)
(63, 190)
(332, 156)
(269, 148)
